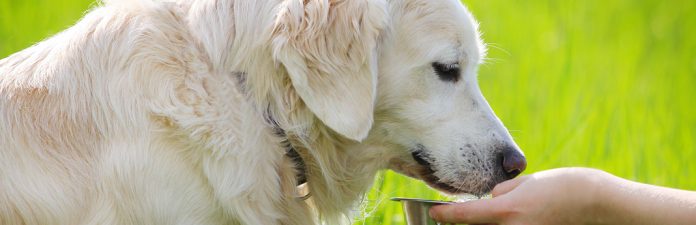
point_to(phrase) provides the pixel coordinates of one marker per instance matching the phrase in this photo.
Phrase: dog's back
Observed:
(48, 130)
(76, 127)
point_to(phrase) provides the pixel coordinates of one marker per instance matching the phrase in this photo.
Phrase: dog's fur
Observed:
(164, 112)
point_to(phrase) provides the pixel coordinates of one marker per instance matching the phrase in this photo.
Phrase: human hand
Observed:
(559, 196)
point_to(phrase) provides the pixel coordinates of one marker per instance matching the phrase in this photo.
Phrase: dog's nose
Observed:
(513, 162)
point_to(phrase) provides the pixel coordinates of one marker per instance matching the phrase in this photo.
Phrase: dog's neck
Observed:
(336, 176)
(203, 18)
(337, 172)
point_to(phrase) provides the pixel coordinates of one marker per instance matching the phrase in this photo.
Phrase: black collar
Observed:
(290, 151)
(300, 167)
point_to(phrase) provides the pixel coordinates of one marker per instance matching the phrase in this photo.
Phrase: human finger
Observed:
(471, 212)
(507, 186)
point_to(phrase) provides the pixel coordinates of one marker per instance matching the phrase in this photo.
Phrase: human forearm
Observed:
(627, 202)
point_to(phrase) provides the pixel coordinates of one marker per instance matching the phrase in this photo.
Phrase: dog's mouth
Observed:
(422, 167)
(427, 174)
(425, 171)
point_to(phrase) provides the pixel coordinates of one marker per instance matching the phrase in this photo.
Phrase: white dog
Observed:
(209, 111)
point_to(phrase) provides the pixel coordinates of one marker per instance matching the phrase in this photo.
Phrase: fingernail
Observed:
(432, 215)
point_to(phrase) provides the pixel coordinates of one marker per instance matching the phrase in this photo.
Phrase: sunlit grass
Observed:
(606, 84)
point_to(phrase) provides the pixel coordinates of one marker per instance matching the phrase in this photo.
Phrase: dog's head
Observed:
(400, 75)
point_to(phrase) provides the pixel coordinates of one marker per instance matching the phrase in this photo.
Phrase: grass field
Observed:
(607, 84)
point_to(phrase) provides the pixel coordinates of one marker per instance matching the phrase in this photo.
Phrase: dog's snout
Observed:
(513, 162)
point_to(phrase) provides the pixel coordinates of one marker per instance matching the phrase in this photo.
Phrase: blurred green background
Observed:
(609, 84)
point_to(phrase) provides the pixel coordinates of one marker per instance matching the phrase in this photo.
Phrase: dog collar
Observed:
(292, 154)
(300, 167)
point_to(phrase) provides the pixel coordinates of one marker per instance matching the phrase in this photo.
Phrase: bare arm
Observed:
(628, 202)
(574, 196)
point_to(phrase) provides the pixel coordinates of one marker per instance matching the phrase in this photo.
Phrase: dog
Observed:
(213, 111)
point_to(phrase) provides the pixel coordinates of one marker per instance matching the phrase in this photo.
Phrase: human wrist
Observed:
(602, 187)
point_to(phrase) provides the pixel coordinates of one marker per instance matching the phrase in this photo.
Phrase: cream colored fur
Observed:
(150, 112)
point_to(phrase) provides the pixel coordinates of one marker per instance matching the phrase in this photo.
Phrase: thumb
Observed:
(471, 212)
(507, 186)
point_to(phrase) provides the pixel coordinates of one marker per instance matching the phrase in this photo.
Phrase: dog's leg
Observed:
(245, 181)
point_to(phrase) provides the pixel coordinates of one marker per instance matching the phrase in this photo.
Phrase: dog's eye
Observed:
(447, 72)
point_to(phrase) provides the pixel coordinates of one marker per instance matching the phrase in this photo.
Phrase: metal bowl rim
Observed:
(436, 202)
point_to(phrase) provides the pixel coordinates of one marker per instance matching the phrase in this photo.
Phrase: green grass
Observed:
(605, 84)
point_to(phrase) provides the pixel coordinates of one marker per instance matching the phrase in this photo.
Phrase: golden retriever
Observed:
(210, 111)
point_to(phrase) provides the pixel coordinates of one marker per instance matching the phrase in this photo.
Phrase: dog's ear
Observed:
(328, 48)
